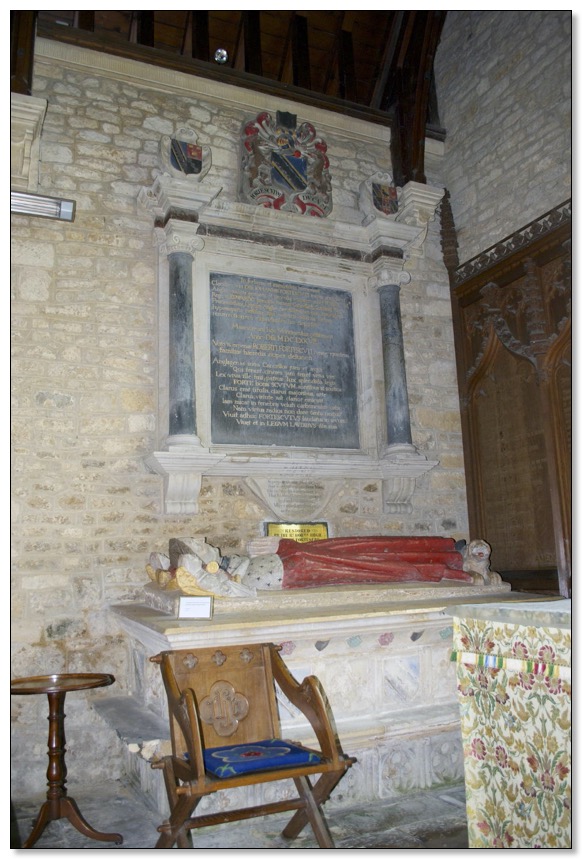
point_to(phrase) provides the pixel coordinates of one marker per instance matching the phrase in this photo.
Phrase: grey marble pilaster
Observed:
(397, 411)
(182, 396)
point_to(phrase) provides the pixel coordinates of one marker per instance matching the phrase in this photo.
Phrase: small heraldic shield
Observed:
(379, 197)
(186, 157)
(183, 157)
(385, 198)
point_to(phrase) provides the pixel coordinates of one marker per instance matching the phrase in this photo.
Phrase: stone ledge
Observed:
(132, 720)
(342, 598)
(146, 732)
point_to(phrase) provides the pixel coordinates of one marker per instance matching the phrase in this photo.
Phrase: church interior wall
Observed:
(504, 82)
(86, 511)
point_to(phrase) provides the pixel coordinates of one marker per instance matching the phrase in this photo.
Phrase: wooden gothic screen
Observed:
(512, 312)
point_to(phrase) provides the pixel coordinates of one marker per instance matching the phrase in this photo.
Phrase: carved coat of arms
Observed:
(285, 167)
(385, 198)
(183, 157)
(379, 196)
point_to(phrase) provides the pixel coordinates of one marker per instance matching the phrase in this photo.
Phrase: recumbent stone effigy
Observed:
(194, 566)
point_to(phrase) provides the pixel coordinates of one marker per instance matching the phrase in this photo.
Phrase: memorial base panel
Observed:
(387, 765)
(382, 656)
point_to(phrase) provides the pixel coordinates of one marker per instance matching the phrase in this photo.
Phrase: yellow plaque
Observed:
(302, 532)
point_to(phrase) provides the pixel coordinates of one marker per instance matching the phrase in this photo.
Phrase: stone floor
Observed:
(434, 819)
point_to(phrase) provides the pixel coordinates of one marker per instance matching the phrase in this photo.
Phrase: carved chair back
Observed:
(234, 691)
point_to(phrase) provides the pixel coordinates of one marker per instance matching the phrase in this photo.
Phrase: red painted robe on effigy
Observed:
(370, 560)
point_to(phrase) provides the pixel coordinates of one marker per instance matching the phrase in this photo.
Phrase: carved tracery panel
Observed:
(512, 308)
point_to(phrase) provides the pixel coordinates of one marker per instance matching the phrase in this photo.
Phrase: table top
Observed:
(59, 683)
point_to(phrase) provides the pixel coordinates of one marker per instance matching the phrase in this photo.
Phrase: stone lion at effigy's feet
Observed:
(476, 562)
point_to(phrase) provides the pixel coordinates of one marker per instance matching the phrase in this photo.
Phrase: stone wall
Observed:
(86, 511)
(504, 88)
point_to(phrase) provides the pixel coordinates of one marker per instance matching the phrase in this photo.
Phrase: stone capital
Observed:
(179, 237)
(389, 277)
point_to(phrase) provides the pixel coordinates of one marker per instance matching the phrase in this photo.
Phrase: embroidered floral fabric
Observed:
(515, 698)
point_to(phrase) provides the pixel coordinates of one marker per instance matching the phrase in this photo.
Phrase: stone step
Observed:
(416, 740)
(133, 721)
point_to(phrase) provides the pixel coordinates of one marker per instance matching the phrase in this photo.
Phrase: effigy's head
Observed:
(196, 547)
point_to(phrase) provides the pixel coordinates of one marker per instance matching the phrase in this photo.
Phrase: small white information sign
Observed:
(200, 608)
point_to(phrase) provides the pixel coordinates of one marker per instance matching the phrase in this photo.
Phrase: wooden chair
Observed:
(225, 733)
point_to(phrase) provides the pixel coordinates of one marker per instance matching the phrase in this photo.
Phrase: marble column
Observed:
(180, 251)
(397, 412)
(182, 396)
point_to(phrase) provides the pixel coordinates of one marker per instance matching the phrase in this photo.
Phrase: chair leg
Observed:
(318, 794)
(173, 830)
(310, 813)
(183, 839)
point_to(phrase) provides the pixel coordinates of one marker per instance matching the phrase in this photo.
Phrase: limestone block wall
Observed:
(86, 511)
(504, 87)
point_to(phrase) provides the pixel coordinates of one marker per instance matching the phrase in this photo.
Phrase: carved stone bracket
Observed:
(26, 119)
(184, 467)
(397, 494)
(404, 464)
(170, 196)
(418, 203)
(417, 206)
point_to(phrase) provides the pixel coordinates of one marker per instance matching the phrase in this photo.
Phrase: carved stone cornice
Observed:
(378, 242)
(179, 199)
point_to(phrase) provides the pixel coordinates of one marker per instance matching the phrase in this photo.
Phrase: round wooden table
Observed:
(57, 803)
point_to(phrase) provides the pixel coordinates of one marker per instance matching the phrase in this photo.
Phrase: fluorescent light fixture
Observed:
(44, 207)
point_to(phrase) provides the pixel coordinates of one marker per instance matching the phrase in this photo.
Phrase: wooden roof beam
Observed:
(300, 53)
(252, 43)
(22, 35)
(413, 76)
(388, 60)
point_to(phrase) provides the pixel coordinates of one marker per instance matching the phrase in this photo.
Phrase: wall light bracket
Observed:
(43, 207)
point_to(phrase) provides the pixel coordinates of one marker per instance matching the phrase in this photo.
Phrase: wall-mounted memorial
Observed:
(283, 367)
(286, 328)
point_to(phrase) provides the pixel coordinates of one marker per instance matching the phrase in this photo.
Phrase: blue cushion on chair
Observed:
(226, 761)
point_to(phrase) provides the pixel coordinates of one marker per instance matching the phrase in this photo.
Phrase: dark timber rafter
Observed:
(376, 66)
